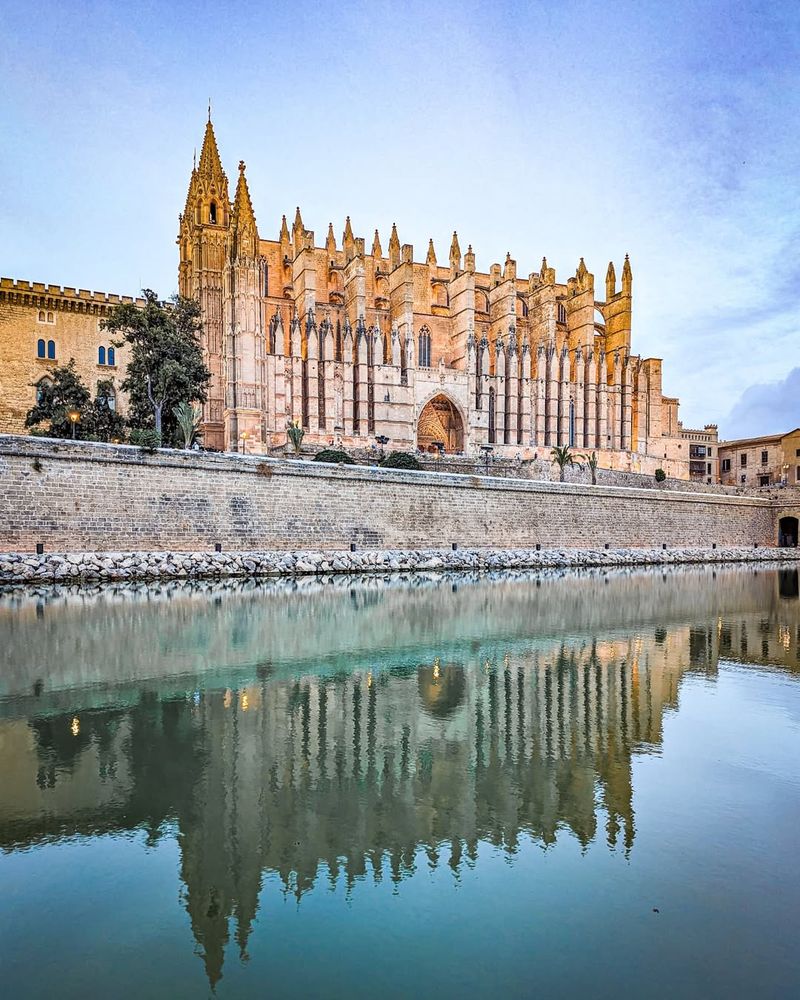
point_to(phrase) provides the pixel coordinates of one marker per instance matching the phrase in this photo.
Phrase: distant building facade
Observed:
(761, 461)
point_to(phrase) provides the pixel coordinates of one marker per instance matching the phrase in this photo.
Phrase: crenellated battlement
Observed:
(37, 294)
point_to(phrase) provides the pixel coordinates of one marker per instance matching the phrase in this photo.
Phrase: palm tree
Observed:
(562, 457)
(188, 416)
(591, 462)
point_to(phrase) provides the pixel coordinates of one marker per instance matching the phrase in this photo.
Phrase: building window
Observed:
(111, 357)
(41, 351)
(743, 461)
(764, 457)
(797, 453)
(106, 394)
(743, 479)
(562, 313)
(41, 317)
(708, 468)
(797, 474)
(101, 355)
(763, 480)
(424, 347)
(212, 213)
(51, 350)
(726, 465)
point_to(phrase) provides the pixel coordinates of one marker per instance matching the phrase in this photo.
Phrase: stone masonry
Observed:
(90, 497)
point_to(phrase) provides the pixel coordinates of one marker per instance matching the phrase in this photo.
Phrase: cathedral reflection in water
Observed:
(332, 731)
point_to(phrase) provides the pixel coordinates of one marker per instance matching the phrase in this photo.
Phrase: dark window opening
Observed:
(51, 350)
(40, 349)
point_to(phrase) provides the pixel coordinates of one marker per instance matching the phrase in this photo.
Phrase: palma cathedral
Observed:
(357, 343)
(364, 344)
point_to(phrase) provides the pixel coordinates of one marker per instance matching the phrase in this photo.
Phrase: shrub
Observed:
(334, 457)
(660, 475)
(148, 439)
(401, 460)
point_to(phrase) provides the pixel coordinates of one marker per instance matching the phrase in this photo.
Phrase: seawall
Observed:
(81, 497)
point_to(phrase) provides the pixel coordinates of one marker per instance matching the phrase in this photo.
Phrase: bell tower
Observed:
(202, 238)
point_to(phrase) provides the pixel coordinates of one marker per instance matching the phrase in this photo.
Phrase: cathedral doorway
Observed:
(440, 426)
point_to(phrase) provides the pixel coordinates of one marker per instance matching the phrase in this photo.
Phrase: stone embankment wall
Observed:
(21, 568)
(77, 497)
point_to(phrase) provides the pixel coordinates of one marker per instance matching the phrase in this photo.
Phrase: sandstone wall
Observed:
(83, 496)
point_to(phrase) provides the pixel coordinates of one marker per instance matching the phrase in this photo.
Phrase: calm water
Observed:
(525, 785)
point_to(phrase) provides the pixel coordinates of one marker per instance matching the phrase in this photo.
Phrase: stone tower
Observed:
(203, 239)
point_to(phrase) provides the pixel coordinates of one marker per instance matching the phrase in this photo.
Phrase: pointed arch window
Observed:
(492, 417)
(41, 349)
(212, 213)
(425, 347)
(571, 423)
(112, 360)
(51, 350)
(101, 355)
(562, 313)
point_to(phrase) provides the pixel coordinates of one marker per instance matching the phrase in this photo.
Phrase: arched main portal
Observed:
(440, 423)
(787, 532)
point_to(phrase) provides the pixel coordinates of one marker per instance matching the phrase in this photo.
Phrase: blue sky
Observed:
(670, 132)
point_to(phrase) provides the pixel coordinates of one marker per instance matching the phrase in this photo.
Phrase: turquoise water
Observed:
(521, 784)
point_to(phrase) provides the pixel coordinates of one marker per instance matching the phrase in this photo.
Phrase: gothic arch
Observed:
(441, 420)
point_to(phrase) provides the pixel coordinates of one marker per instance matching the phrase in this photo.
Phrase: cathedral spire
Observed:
(210, 163)
(376, 245)
(330, 242)
(284, 233)
(348, 240)
(455, 254)
(394, 246)
(430, 260)
(243, 219)
(611, 281)
(627, 277)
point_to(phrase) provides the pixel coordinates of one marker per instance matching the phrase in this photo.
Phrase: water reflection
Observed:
(330, 731)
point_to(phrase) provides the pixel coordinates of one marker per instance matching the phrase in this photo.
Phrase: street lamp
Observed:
(487, 449)
(382, 440)
(74, 417)
(244, 442)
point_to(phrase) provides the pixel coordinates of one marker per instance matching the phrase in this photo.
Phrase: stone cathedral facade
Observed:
(357, 344)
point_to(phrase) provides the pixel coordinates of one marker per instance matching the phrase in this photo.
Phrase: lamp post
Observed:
(244, 442)
(487, 449)
(382, 440)
(74, 416)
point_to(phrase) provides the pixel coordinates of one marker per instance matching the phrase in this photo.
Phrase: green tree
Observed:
(591, 463)
(295, 433)
(63, 392)
(562, 457)
(166, 360)
(102, 422)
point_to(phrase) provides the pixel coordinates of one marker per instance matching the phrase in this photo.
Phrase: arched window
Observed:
(111, 356)
(571, 424)
(562, 313)
(212, 213)
(101, 355)
(424, 347)
(40, 349)
(51, 350)
(51, 318)
(41, 317)
(492, 417)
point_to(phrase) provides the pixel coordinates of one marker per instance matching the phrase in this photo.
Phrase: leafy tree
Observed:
(660, 475)
(400, 460)
(58, 395)
(188, 416)
(102, 422)
(562, 457)
(166, 360)
(334, 456)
